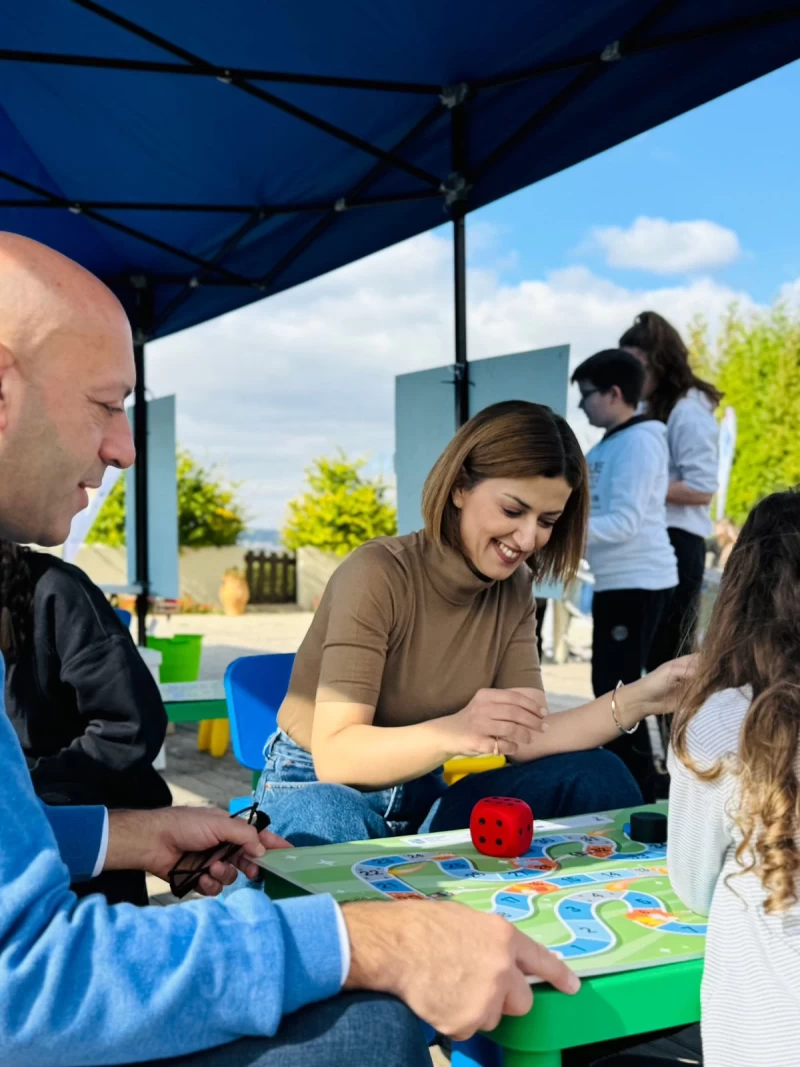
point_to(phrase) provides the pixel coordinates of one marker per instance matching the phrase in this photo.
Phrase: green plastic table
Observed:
(608, 1007)
(194, 701)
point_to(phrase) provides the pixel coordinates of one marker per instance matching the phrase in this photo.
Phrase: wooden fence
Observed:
(272, 577)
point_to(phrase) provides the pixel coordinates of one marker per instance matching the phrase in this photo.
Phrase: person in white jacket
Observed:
(628, 548)
(674, 395)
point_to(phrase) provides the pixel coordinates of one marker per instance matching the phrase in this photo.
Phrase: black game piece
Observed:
(649, 828)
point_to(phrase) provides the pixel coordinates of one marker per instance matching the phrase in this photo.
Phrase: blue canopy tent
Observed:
(199, 155)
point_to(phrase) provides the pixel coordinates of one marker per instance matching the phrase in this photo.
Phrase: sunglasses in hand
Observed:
(190, 868)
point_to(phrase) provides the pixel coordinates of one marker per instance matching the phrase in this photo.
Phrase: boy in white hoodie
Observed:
(628, 547)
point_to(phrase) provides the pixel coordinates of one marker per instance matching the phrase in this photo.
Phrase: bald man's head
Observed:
(66, 366)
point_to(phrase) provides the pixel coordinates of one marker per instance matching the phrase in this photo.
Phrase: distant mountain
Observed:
(260, 538)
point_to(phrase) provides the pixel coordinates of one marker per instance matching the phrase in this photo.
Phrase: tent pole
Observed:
(456, 98)
(140, 483)
(460, 303)
(140, 470)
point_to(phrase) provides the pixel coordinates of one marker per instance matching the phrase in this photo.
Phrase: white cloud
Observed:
(265, 389)
(790, 293)
(667, 247)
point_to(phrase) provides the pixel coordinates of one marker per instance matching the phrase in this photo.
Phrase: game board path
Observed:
(578, 912)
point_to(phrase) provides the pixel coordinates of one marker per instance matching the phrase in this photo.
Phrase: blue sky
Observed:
(735, 161)
(684, 219)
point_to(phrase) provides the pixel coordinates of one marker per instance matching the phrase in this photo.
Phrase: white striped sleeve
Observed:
(697, 838)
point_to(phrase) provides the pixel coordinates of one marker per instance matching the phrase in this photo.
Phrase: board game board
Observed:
(602, 902)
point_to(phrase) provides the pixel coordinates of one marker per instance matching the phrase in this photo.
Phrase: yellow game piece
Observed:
(460, 766)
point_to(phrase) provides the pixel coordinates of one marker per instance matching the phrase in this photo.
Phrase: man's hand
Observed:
(458, 970)
(154, 841)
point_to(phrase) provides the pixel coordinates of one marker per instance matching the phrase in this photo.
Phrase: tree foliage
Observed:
(209, 512)
(755, 361)
(341, 509)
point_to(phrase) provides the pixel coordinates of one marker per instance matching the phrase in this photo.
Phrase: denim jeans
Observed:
(351, 1030)
(308, 812)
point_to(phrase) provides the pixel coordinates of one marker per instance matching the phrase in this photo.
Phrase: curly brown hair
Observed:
(753, 640)
(16, 599)
(668, 359)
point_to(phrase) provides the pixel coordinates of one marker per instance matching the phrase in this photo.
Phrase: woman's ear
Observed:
(459, 490)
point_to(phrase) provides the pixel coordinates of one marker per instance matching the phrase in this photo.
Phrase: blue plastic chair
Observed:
(254, 689)
(478, 1051)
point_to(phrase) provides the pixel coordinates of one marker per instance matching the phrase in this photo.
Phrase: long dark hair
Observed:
(16, 599)
(753, 640)
(668, 360)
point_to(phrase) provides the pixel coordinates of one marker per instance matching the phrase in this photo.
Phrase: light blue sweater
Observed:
(88, 983)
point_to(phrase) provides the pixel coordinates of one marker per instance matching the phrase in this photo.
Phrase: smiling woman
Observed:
(424, 648)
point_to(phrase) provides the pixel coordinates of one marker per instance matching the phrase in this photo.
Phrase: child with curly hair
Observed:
(734, 819)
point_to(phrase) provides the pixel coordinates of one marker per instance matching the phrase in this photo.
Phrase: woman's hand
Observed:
(495, 722)
(657, 693)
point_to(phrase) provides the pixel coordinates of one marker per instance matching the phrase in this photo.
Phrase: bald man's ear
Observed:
(6, 364)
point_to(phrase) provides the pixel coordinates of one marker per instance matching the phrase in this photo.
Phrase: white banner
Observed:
(727, 447)
(84, 520)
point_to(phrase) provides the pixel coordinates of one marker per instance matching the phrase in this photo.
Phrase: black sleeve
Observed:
(116, 697)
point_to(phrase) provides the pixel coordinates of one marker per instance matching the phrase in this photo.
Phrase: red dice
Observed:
(501, 826)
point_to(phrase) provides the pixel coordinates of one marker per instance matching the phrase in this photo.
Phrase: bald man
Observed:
(89, 983)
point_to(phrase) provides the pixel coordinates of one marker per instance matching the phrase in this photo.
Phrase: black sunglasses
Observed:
(190, 868)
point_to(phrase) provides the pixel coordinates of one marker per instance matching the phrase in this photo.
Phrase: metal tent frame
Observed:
(456, 104)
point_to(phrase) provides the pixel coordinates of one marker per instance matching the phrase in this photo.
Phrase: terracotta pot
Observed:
(234, 594)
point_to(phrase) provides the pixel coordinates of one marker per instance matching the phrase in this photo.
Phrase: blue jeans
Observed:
(363, 1029)
(308, 812)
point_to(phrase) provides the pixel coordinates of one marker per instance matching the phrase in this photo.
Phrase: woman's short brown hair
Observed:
(513, 439)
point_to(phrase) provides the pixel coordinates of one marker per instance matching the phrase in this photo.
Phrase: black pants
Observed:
(118, 887)
(675, 633)
(625, 622)
(541, 607)
(668, 1050)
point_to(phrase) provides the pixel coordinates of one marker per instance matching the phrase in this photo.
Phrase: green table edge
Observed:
(195, 710)
(609, 1006)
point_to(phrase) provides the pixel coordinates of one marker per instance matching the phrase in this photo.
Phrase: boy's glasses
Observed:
(190, 868)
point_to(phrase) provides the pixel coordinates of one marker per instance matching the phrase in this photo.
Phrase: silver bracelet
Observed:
(614, 715)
